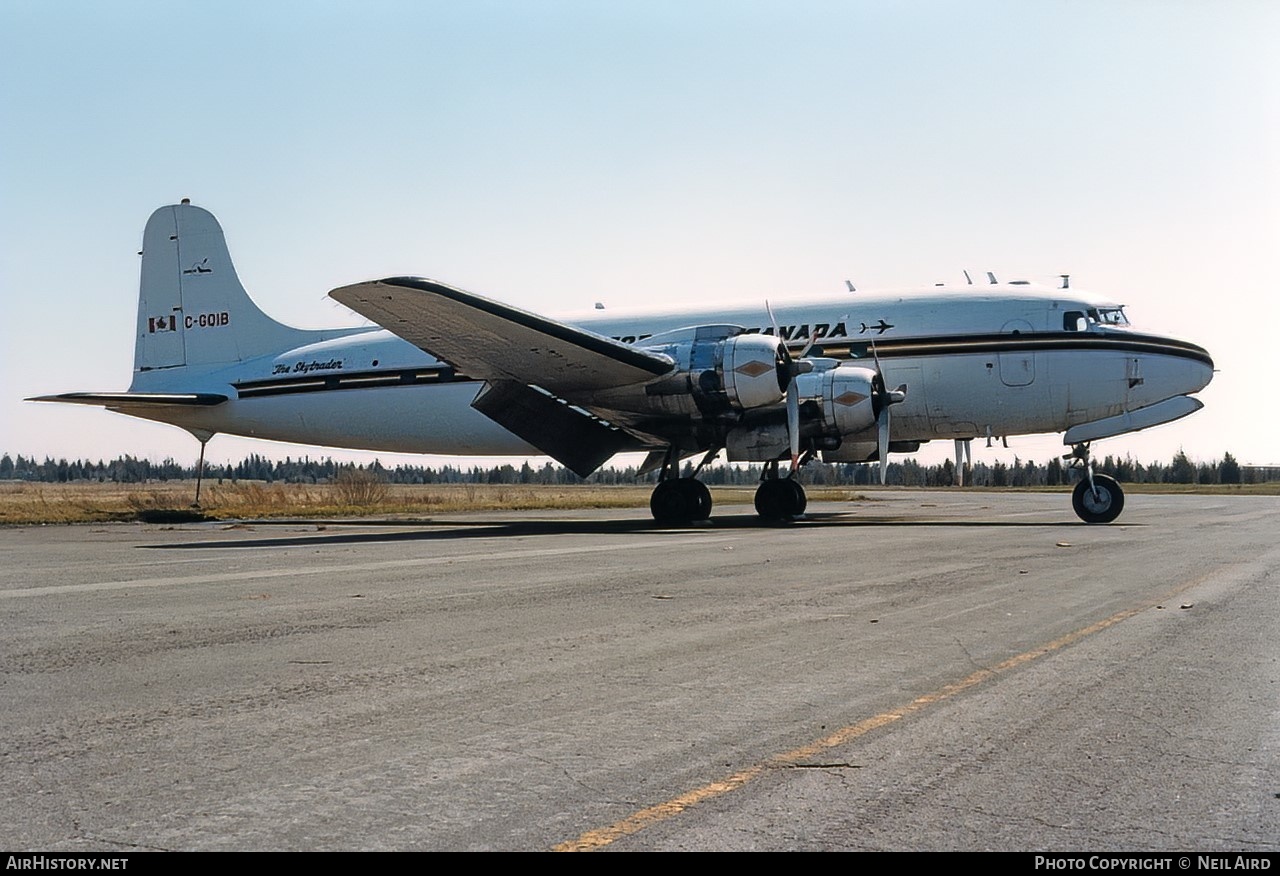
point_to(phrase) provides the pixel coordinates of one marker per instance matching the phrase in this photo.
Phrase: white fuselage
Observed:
(977, 360)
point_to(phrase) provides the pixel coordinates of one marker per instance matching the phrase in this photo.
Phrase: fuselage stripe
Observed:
(1008, 343)
(859, 351)
(356, 380)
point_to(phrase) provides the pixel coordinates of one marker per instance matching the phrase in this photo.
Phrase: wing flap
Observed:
(493, 341)
(574, 438)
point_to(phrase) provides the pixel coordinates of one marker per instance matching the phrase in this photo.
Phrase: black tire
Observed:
(669, 504)
(680, 501)
(780, 499)
(768, 503)
(1104, 507)
(799, 501)
(701, 497)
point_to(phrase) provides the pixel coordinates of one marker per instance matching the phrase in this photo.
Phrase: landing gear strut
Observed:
(203, 437)
(676, 500)
(779, 498)
(1097, 498)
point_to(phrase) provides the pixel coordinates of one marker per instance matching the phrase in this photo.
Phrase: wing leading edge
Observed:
(534, 367)
(494, 341)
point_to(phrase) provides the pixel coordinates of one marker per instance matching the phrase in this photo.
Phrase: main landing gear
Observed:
(680, 500)
(779, 498)
(677, 501)
(1097, 498)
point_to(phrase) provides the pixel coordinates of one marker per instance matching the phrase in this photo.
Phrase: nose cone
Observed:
(1203, 374)
(1174, 367)
(1199, 367)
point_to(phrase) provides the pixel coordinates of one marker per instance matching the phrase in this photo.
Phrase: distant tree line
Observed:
(908, 472)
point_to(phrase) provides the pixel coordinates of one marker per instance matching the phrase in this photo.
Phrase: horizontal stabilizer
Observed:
(134, 399)
(575, 439)
(487, 339)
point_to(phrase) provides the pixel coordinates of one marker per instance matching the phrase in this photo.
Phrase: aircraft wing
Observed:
(496, 342)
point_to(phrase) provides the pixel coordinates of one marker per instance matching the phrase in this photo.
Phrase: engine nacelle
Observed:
(847, 396)
(835, 402)
(752, 371)
(717, 374)
(866, 451)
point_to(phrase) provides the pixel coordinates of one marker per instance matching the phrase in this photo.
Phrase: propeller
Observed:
(883, 400)
(793, 367)
(793, 422)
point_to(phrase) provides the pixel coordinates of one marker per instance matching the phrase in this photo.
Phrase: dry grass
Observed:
(67, 503)
(359, 488)
(26, 503)
(32, 503)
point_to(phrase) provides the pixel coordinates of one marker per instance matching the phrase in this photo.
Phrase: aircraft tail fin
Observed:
(192, 309)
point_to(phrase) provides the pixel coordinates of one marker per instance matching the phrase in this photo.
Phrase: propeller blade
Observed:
(793, 422)
(882, 443)
(793, 366)
(773, 320)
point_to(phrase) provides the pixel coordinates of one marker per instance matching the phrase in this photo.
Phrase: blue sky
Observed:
(553, 154)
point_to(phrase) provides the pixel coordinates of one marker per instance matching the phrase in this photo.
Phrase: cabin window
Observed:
(1109, 316)
(1074, 321)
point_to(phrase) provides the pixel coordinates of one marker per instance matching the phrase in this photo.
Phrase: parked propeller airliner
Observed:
(447, 371)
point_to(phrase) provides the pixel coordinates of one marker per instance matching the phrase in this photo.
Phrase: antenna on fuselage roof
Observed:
(967, 278)
(992, 278)
(1066, 281)
(849, 283)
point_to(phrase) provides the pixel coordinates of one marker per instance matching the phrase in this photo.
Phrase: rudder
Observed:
(192, 309)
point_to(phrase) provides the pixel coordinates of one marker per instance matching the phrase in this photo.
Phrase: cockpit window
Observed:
(1073, 321)
(1109, 316)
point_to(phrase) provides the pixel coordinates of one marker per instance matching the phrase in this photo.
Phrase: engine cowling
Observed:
(849, 398)
(753, 371)
(835, 402)
(719, 372)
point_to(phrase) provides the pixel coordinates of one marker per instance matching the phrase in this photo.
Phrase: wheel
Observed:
(1102, 508)
(780, 499)
(680, 500)
(799, 501)
(669, 503)
(701, 497)
(768, 501)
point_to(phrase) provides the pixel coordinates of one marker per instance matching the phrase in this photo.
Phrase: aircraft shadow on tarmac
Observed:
(389, 531)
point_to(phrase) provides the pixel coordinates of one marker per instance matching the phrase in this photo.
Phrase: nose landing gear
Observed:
(1097, 498)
